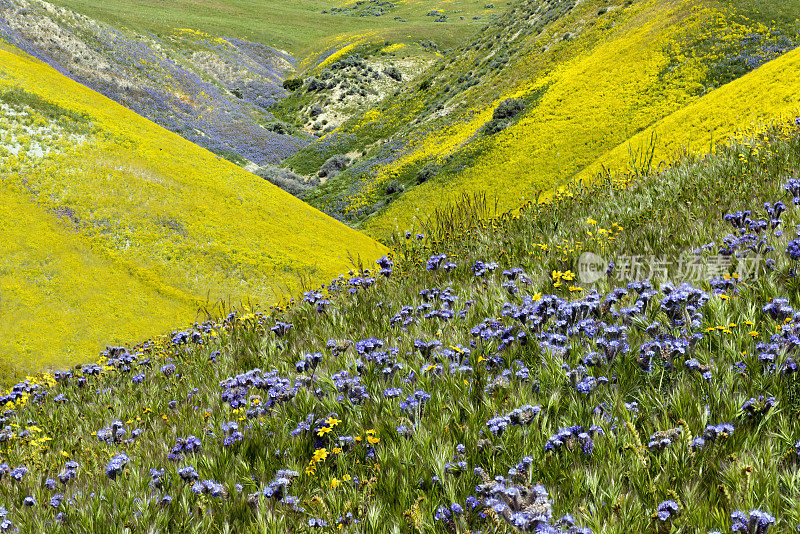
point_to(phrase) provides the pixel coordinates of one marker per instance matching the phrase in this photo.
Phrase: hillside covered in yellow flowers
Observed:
(598, 87)
(114, 229)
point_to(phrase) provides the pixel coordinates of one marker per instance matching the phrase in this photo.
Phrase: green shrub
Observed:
(503, 115)
(508, 108)
(333, 166)
(394, 187)
(292, 84)
(393, 73)
(279, 127)
(290, 182)
(315, 84)
(427, 172)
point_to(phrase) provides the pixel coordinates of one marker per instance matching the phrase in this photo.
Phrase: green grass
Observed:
(298, 27)
(52, 112)
(615, 489)
(784, 12)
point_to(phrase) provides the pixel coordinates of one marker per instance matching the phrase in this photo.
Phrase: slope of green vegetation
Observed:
(477, 382)
(121, 227)
(301, 28)
(589, 77)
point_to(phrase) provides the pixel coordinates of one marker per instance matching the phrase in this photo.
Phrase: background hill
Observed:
(118, 228)
(406, 100)
(212, 74)
(586, 78)
(212, 91)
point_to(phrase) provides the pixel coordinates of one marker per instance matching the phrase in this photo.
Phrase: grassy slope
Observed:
(513, 175)
(594, 103)
(399, 485)
(770, 93)
(623, 68)
(177, 219)
(298, 27)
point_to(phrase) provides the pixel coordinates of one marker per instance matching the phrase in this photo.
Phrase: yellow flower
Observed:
(371, 431)
(753, 333)
(337, 450)
(332, 421)
(373, 440)
(320, 454)
(347, 478)
(335, 483)
(575, 288)
(324, 430)
(590, 221)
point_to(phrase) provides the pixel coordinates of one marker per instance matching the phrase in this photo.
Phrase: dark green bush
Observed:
(427, 172)
(333, 166)
(315, 84)
(290, 182)
(353, 60)
(503, 114)
(279, 127)
(292, 84)
(508, 108)
(393, 73)
(394, 187)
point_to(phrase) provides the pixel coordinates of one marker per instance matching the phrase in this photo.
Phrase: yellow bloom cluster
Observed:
(129, 210)
(598, 92)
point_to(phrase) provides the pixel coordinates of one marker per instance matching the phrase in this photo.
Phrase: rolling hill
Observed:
(214, 75)
(588, 80)
(482, 384)
(585, 322)
(302, 28)
(118, 229)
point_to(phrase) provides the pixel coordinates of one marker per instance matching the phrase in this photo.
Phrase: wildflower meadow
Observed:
(468, 381)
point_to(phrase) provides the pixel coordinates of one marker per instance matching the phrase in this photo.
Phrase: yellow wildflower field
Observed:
(157, 229)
